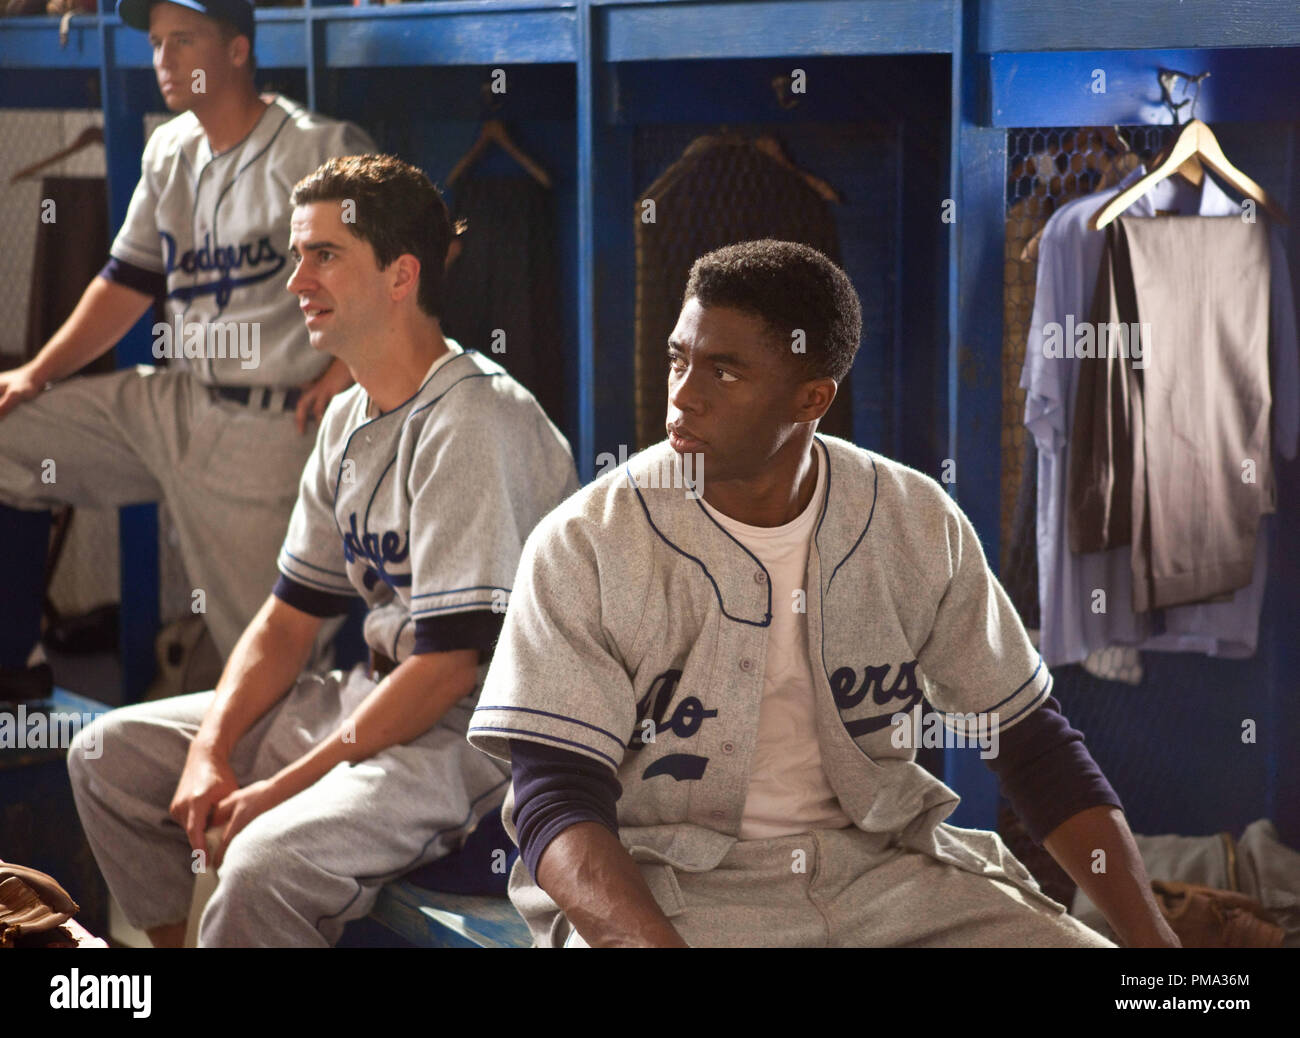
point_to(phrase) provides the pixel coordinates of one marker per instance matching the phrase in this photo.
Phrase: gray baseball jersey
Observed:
(423, 510)
(637, 636)
(217, 227)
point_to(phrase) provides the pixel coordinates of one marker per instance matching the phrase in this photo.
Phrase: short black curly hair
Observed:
(789, 287)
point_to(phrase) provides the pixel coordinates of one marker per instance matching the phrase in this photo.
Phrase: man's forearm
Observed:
(1115, 879)
(600, 889)
(105, 312)
(402, 707)
(264, 665)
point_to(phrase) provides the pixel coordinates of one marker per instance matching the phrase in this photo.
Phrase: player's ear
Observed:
(813, 399)
(404, 273)
(238, 49)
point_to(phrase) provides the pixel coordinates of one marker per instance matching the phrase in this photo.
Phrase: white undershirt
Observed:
(453, 349)
(788, 789)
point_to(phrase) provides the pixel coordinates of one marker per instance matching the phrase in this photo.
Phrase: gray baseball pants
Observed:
(296, 874)
(845, 888)
(228, 473)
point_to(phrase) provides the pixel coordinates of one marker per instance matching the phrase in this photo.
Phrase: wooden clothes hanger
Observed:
(90, 135)
(493, 132)
(1196, 142)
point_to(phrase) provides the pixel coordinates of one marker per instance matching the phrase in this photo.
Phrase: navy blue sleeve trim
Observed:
(475, 629)
(150, 282)
(310, 600)
(1046, 772)
(555, 789)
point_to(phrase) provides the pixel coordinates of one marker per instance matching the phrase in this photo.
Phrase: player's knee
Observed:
(88, 748)
(260, 882)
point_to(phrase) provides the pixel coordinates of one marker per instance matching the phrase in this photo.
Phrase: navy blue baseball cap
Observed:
(238, 13)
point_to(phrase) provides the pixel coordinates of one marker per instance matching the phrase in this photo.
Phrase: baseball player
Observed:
(710, 697)
(213, 435)
(425, 480)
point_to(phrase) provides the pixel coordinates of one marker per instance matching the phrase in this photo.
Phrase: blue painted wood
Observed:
(34, 43)
(674, 30)
(1044, 89)
(1057, 25)
(279, 44)
(128, 95)
(445, 35)
(978, 179)
(585, 448)
(430, 919)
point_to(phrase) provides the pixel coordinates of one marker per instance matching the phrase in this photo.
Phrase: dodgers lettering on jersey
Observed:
(637, 636)
(217, 228)
(237, 265)
(423, 510)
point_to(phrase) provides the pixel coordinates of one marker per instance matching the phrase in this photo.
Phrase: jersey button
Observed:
(746, 664)
(760, 577)
(728, 747)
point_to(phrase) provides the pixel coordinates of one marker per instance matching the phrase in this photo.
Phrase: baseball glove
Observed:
(30, 902)
(1204, 917)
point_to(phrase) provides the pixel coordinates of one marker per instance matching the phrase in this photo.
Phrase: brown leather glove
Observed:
(1204, 917)
(30, 902)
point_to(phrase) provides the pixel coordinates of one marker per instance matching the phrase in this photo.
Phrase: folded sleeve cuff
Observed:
(119, 271)
(309, 600)
(476, 629)
(491, 727)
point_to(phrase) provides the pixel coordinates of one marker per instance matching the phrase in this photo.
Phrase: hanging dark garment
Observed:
(723, 190)
(69, 252)
(1020, 570)
(502, 292)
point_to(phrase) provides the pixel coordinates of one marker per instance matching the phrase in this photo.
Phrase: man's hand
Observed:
(241, 807)
(317, 395)
(17, 387)
(206, 779)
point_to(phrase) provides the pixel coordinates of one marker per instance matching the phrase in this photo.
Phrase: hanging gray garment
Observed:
(1171, 429)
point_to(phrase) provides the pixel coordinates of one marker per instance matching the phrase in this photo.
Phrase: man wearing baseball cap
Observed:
(220, 434)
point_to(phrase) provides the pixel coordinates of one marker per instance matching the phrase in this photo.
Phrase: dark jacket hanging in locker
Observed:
(506, 279)
(69, 252)
(723, 190)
